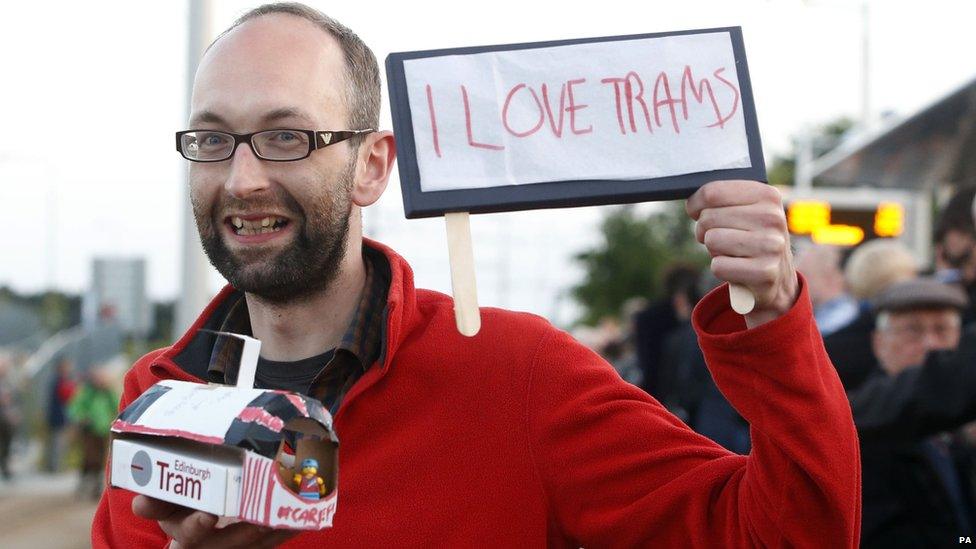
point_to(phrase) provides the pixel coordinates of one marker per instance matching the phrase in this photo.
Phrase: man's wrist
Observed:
(779, 306)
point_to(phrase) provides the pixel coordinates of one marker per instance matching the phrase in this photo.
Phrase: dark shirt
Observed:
(295, 376)
(851, 352)
(326, 377)
(910, 497)
(651, 328)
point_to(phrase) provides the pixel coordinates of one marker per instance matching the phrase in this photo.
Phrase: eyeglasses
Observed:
(916, 332)
(280, 145)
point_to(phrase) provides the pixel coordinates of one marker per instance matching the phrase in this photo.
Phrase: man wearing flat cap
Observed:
(914, 318)
(914, 493)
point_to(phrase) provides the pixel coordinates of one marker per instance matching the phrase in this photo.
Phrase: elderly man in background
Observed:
(914, 494)
(872, 267)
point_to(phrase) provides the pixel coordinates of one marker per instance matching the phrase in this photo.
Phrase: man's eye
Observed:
(212, 139)
(285, 137)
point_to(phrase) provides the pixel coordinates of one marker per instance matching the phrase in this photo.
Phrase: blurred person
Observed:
(9, 416)
(62, 387)
(520, 422)
(914, 493)
(660, 318)
(608, 331)
(693, 394)
(955, 237)
(955, 245)
(92, 409)
(678, 386)
(622, 353)
(871, 268)
(876, 265)
(833, 305)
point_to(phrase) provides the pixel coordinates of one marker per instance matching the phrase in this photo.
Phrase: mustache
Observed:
(282, 200)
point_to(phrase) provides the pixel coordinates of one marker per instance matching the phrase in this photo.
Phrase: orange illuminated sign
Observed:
(838, 235)
(889, 219)
(844, 227)
(805, 216)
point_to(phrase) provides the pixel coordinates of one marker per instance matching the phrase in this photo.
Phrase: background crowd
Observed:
(903, 339)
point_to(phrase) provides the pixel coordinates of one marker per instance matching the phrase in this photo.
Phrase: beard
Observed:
(307, 265)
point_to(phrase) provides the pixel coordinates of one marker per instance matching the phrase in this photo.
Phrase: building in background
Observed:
(118, 293)
(884, 181)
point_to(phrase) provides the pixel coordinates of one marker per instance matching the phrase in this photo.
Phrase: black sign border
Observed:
(556, 194)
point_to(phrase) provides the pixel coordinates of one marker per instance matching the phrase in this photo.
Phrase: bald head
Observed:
(820, 264)
(294, 36)
(274, 71)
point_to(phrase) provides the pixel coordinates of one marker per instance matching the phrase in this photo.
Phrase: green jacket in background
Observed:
(94, 408)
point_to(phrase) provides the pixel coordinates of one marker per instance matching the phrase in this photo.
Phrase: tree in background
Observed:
(630, 260)
(782, 170)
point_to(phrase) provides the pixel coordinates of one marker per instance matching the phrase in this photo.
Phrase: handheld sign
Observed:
(572, 123)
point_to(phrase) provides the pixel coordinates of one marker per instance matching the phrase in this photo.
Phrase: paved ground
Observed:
(42, 511)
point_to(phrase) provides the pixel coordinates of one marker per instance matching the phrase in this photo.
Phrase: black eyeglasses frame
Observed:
(318, 139)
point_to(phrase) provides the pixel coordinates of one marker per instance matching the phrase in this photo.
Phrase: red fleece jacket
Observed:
(522, 437)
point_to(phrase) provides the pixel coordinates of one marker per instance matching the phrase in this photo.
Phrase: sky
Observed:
(93, 91)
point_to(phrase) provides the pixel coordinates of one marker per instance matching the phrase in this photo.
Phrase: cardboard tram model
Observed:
(236, 452)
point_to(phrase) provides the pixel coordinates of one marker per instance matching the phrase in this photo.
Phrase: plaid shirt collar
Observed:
(362, 342)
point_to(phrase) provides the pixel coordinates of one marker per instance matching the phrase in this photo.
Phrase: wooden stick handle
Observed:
(463, 284)
(741, 298)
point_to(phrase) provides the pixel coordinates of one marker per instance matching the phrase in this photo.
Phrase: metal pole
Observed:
(865, 66)
(803, 171)
(194, 292)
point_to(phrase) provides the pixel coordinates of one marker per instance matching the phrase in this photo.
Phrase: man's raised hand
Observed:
(743, 226)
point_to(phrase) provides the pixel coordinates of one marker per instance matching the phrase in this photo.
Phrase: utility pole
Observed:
(194, 292)
(866, 121)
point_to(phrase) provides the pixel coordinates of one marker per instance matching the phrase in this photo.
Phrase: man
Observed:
(872, 267)
(914, 495)
(954, 236)
(92, 410)
(9, 416)
(60, 390)
(833, 306)
(955, 245)
(518, 436)
(653, 324)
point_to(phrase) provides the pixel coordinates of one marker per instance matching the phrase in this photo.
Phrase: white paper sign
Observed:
(619, 110)
(205, 410)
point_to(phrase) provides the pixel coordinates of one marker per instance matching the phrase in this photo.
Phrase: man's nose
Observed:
(247, 174)
(933, 341)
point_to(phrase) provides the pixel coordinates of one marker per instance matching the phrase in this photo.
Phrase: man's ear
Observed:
(373, 167)
(876, 346)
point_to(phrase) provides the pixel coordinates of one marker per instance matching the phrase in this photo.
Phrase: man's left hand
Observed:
(743, 226)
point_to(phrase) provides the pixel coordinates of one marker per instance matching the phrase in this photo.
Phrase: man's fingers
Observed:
(188, 528)
(237, 535)
(720, 194)
(747, 271)
(178, 522)
(743, 243)
(747, 218)
(195, 528)
(241, 534)
(155, 509)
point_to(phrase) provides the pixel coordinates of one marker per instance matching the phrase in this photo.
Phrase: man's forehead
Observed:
(267, 116)
(268, 66)
(924, 313)
(283, 35)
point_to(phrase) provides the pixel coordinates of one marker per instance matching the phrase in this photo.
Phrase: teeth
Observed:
(258, 226)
